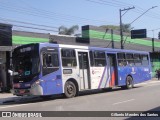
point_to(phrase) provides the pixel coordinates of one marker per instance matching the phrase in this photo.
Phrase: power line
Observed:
(116, 3)
(60, 14)
(27, 23)
(30, 27)
(35, 28)
(103, 3)
(46, 14)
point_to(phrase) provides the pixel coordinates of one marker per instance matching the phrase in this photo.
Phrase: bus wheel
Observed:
(70, 89)
(129, 82)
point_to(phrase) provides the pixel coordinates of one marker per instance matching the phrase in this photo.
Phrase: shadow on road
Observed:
(105, 90)
(36, 99)
(28, 99)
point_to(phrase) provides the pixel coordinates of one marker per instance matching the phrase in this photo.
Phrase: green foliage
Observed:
(125, 27)
(68, 31)
(114, 27)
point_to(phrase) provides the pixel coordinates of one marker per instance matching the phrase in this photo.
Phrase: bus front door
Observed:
(84, 70)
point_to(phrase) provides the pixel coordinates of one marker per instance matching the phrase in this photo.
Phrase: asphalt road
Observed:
(144, 97)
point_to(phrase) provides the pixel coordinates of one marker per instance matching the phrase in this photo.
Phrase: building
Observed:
(8, 41)
(5, 48)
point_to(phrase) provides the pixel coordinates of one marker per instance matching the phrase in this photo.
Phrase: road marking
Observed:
(123, 101)
(13, 106)
(145, 83)
(151, 85)
(154, 81)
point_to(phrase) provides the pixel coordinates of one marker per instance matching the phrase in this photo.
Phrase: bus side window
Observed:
(121, 59)
(130, 59)
(137, 60)
(100, 58)
(50, 60)
(68, 58)
(145, 61)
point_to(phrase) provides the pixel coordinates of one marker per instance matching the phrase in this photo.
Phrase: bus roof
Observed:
(90, 48)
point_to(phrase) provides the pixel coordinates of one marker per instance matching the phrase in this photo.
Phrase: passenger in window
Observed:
(49, 61)
(130, 64)
(49, 64)
(100, 65)
(120, 64)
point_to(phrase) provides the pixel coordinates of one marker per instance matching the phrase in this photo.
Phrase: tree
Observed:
(114, 27)
(68, 31)
(125, 27)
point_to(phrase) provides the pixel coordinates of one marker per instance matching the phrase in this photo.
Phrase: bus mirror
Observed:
(10, 72)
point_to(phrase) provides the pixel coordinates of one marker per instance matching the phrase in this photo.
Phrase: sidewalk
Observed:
(154, 79)
(6, 95)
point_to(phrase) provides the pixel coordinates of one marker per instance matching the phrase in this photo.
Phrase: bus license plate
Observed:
(21, 91)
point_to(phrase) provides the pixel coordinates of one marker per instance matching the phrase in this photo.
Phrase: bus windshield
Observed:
(26, 61)
(25, 65)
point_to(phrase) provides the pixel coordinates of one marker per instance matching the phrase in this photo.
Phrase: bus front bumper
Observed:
(34, 90)
(21, 92)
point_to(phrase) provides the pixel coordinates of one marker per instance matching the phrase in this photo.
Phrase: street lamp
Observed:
(121, 31)
(143, 14)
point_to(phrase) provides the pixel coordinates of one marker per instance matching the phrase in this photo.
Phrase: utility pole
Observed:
(121, 29)
(153, 41)
(152, 44)
(112, 38)
(153, 38)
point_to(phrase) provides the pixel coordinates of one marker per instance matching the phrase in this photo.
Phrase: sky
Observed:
(49, 15)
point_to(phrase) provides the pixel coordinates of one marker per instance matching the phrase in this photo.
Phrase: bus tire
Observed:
(129, 82)
(70, 89)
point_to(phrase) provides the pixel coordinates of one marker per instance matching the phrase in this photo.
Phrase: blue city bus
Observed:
(47, 69)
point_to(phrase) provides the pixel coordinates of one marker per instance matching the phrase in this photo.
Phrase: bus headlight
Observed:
(37, 83)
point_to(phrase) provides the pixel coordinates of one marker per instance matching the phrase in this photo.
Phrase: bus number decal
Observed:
(67, 71)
